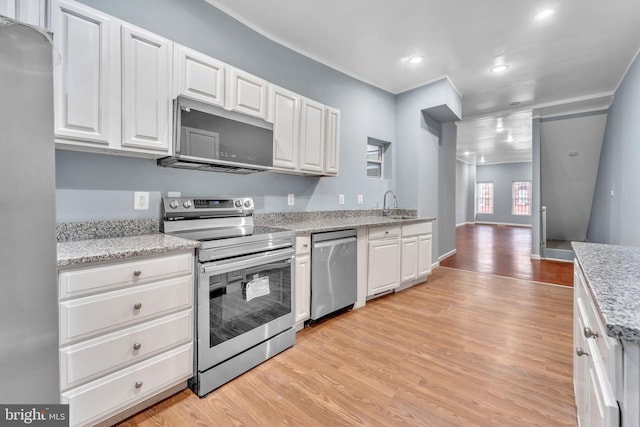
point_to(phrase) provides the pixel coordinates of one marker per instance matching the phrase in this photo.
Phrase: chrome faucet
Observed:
(385, 209)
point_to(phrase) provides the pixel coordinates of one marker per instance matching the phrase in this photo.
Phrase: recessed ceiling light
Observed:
(414, 59)
(500, 68)
(544, 14)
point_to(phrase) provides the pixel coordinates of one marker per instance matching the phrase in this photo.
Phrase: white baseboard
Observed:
(507, 224)
(447, 255)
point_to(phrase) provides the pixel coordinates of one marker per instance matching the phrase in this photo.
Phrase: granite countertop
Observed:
(613, 275)
(319, 221)
(75, 253)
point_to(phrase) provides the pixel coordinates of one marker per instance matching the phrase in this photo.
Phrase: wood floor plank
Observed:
(463, 349)
(504, 251)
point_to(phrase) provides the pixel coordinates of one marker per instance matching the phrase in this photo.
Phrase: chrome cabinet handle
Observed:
(137, 273)
(137, 306)
(138, 384)
(581, 352)
(589, 333)
(137, 346)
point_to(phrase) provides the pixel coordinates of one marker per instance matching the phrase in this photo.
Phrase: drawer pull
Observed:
(137, 306)
(589, 333)
(137, 273)
(581, 352)
(137, 346)
(138, 384)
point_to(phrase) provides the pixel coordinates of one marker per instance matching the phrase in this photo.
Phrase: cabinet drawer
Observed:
(109, 395)
(416, 229)
(384, 232)
(303, 245)
(85, 317)
(107, 277)
(102, 355)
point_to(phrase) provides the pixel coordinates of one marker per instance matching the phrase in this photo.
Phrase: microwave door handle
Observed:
(247, 262)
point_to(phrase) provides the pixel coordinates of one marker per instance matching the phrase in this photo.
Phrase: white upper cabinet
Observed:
(112, 88)
(246, 94)
(146, 94)
(312, 136)
(284, 112)
(84, 81)
(33, 12)
(199, 76)
(332, 141)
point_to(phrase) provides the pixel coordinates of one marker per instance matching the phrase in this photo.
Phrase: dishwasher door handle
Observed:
(333, 242)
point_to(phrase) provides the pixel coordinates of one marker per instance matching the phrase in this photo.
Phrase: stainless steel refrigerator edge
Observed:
(28, 306)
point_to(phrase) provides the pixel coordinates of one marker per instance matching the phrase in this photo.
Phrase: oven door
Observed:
(242, 302)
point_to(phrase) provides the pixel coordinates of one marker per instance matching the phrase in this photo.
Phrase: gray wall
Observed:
(96, 186)
(447, 189)
(465, 192)
(417, 156)
(567, 182)
(615, 219)
(502, 175)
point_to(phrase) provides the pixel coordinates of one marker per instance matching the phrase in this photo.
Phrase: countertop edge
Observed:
(614, 328)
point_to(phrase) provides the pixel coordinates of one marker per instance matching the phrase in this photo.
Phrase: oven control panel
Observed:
(179, 207)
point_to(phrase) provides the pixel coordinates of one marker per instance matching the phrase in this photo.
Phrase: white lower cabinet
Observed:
(597, 362)
(416, 252)
(383, 271)
(302, 281)
(126, 334)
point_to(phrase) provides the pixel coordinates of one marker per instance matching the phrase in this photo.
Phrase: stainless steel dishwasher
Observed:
(334, 257)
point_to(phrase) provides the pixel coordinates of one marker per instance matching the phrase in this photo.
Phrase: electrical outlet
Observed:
(341, 199)
(290, 199)
(360, 199)
(141, 200)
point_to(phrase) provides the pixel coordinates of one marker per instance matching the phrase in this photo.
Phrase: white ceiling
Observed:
(571, 62)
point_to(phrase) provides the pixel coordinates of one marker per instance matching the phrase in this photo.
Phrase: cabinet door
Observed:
(424, 255)
(146, 90)
(302, 288)
(246, 94)
(284, 111)
(409, 259)
(199, 76)
(311, 136)
(384, 265)
(332, 142)
(33, 12)
(84, 85)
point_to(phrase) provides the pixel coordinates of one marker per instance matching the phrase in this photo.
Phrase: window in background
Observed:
(521, 198)
(378, 159)
(484, 200)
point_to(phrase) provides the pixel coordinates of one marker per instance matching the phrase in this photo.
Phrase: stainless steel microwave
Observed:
(210, 138)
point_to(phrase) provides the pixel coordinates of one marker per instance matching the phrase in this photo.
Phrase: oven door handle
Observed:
(247, 261)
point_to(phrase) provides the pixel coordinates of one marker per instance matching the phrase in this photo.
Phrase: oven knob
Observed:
(174, 204)
(187, 204)
(247, 203)
(238, 203)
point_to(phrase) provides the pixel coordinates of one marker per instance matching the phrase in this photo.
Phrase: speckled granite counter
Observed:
(79, 252)
(613, 275)
(319, 221)
(99, 241)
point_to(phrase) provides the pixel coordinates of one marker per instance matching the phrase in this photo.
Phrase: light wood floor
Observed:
(463, 349)
(504, 251)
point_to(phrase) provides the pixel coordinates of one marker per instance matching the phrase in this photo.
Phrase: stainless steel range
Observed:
(244, 285)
